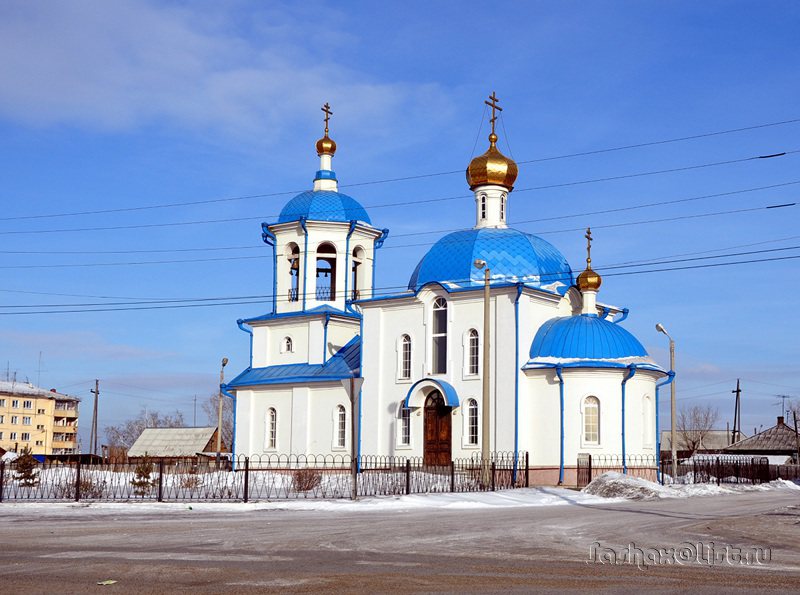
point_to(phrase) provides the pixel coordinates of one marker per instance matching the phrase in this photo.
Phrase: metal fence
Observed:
(593, 466)
(258, 478)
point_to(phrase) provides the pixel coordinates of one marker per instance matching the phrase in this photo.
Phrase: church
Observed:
(339, 367)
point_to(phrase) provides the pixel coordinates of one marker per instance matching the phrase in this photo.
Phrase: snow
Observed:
(617, 485)
(522, 497)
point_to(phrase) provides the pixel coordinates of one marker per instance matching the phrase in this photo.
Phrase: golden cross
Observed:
(328, 113)
(494, 106)
(588, 237)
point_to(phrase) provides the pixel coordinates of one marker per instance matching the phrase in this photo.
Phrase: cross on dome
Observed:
(326, 145)
(589, 280)
(328, 113)
(492, 103)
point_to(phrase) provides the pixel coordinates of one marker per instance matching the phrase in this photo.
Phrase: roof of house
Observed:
(713, 440)
(343, 364)
(9, 387)
(778, 438)
(171, 442)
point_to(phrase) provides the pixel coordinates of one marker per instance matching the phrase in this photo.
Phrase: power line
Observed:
(403, 203)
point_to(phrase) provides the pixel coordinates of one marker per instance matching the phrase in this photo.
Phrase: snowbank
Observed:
(617, 485)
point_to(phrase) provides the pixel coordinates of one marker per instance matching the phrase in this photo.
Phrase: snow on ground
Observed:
(522, 497)
(617, 485)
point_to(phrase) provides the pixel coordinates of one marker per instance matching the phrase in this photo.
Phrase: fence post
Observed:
(452, 476)
(694, 470)
(78, 481)
(527, 470)
(590, 470)
(718, 472)
(246, 478)
(2, 478)
(408, 476)
(493, 470)
(160, 480)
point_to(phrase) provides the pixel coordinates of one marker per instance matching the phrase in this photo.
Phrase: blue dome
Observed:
(323, 205)
(513, 257)
(585, 337)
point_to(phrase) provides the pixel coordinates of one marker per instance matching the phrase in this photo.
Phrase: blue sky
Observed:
(131, 104)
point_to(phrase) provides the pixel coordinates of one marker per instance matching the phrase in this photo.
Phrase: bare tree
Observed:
(694, 424)
(211, 407)
(126, 433)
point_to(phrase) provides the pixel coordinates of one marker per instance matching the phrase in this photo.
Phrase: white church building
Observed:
(565, 377)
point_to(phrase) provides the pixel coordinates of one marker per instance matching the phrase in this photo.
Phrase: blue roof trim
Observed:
(448, 392)
(513, 257)
(323, 205)
(594, 364)
(344, 364)
(325, 174)
(319, 310)
(586, 337)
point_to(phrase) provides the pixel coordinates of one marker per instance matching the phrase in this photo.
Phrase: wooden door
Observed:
(438, 426)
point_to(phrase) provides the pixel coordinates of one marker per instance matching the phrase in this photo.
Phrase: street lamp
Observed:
(660, 328)
(485, 455)
(219, 409)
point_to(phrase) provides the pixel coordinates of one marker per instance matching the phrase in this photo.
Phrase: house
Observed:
(565, 376)
(45, 421)
(176, 443)
(710, 442)
(779, 443)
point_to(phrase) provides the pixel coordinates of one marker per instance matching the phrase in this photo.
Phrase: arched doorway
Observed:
(438, 426)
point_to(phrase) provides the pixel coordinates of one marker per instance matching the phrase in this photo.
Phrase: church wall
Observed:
(269, 348)
(339, 334)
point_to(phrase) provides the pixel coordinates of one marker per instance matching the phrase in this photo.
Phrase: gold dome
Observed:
(492, 168)
(589, 280)
(326, 145)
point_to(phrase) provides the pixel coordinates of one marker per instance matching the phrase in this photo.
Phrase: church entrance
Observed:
(438, 425)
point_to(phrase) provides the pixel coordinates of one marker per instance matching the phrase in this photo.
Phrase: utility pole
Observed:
(219, 408)
(194, 420)
(93, 436)
(796, 436)
(737, 422)
(784, 410)
(485, 401)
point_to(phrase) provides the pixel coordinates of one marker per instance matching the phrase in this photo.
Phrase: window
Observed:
(40, 426)
(341, 426)
(405, 425)
(14, 419)
(439, 337)
(293, 256)
(272, 429)
(26, 421)
(483, 206)
(472, 422)
(326, 272)
(357, 273)
(26, 436)
(12, 436)
(27, 404)
(2, 402)
(39, 443)
(473, 356)
(15, 404)
(287, 345)
(591, 420)
(503, 207)
(1, 435)
(40, 412)
(2, 419)
(405, 358)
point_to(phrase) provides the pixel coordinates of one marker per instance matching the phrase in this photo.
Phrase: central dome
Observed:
(323, 205)
(492, 168)
(512, 256)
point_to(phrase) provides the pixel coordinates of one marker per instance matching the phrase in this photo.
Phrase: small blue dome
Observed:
(323, 205)
(585, 337)
(512, 256)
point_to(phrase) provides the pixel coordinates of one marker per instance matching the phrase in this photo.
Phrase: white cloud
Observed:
(73, 345)
(117, 66)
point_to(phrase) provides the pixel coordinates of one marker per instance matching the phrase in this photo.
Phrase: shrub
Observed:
(27, 474)
(142, 482)
(304, 480)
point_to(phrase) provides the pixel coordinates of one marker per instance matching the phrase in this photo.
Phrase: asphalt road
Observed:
(546, 549)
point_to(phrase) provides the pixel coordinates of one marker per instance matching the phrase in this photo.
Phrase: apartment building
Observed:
(46, 421)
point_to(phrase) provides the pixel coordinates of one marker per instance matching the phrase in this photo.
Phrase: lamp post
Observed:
(485, 425)
(219, 409)
(660, 328)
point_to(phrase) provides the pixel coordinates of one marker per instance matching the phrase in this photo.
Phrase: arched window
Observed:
(326, 272)
(473, 355)
(405, 358)
(357, 273)
(648, 421)
(288, 345)
(483, 206)
(439, 337)
(591, 420)
(503, 207)
(405, 425)
(341, 426)
(293, 256)
(271, 433)
(472, 422)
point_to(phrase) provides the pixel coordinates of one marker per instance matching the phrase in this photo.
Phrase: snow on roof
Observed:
(712, 440)
(9, 387)
(171, 442)
(779, 438)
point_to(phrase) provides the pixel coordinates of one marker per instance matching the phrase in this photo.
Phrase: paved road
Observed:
(509, 549)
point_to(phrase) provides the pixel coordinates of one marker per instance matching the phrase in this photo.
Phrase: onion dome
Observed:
(586, 337)
(326, 145)
(492, 168)
(512, 257)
